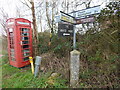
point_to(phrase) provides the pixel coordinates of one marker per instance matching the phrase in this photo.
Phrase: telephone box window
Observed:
(25, 42)
(12, 50)
(26, 58)
(25, 46)
(26, 54)
(25, 34)
(24, 29)
(13, 59)
(26, 50)
(24, 38)
(12, 54)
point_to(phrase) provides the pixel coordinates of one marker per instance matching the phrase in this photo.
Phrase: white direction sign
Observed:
(86, 12)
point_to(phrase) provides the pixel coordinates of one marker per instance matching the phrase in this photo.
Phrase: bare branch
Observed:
(25, 3)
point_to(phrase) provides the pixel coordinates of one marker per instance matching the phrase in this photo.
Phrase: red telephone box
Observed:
(19, 34)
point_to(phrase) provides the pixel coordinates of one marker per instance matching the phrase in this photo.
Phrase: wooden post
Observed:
(35, 32)
(74, 68)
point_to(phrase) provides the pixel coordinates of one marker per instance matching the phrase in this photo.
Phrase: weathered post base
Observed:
(74, 68)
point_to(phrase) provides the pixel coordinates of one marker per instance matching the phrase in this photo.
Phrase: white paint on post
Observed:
(74, 68)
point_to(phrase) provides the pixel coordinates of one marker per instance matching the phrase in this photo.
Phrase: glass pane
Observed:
(12, 59)
(24, 29)
(24, 38)
(25, 46)
(12, 52)
(25, 34)
(26, 50)
(11, 40)
(25, 42)
(26, 58)
(26, 54)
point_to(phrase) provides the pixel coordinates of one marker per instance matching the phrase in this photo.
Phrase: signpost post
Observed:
(74, 39)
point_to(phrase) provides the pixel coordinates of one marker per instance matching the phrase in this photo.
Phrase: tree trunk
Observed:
(35, 33)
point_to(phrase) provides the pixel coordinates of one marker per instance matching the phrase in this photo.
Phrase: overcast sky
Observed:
(9, 6)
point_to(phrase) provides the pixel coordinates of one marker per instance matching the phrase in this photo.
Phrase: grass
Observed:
(13, 77)
(0, 68)
(98, 77)
(17, 78)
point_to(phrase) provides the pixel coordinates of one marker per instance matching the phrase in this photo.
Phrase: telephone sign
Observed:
(24, 23)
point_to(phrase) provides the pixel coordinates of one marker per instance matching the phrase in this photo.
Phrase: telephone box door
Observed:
(25, 43)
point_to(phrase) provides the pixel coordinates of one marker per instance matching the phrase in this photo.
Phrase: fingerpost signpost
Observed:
(73, 19)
